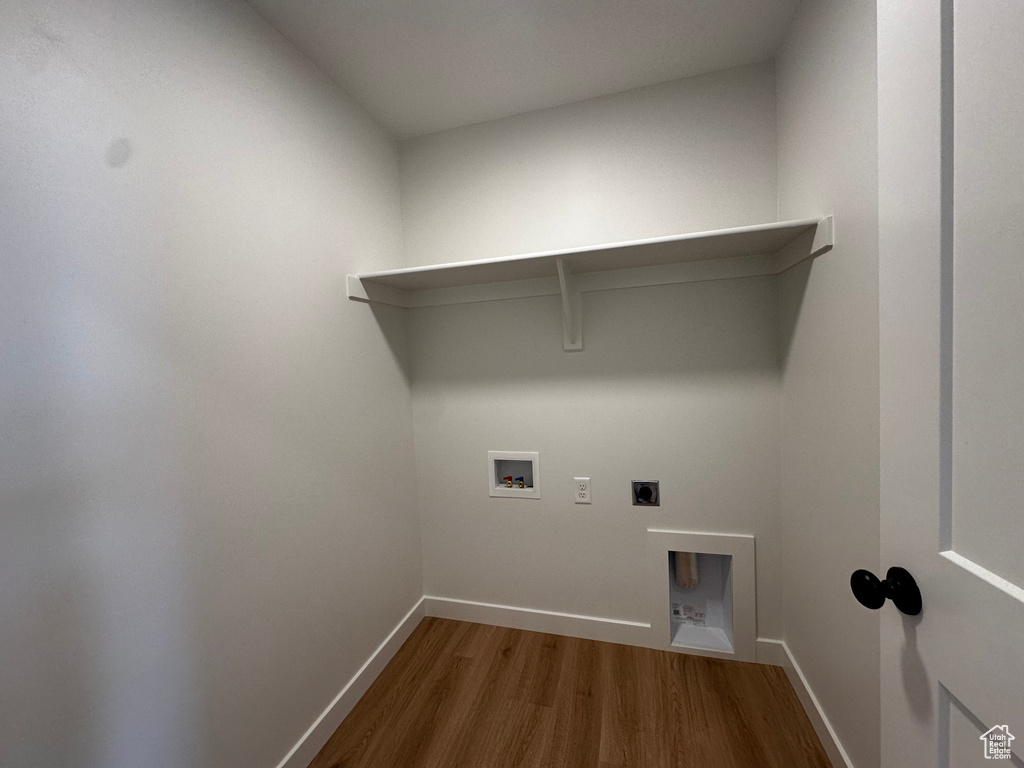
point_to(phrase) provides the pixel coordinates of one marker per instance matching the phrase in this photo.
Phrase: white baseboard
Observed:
(778, 653)
(313, 740)
(771, 652)
(552, 622)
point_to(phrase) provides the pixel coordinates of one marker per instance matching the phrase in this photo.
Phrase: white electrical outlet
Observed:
(582, 486)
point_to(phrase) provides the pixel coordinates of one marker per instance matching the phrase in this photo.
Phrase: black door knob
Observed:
(898, 586)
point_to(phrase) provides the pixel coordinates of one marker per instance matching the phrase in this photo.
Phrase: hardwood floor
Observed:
(460, 695)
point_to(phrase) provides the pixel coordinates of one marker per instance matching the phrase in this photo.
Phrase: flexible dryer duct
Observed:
(686, 569)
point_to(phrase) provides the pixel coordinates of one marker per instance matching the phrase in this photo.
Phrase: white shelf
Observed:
(762, 249)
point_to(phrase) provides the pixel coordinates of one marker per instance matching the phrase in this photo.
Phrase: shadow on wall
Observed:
(712, 329)
(393, 325)
(49, 620)
(99, 663)
(792, 287)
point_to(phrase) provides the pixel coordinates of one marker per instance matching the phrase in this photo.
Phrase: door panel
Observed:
(951, 206)
(965, 748)
(988, 285)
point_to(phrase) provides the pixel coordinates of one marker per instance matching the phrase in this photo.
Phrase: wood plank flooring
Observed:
(461, 695)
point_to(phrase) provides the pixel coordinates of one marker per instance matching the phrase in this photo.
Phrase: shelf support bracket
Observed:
(809, 245)
(572, 321)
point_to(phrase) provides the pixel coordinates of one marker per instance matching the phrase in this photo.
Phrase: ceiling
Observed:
(421, 66)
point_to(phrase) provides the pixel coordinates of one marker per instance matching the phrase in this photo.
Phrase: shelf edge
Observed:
(813, 242)
(374, 293)
(766, 227)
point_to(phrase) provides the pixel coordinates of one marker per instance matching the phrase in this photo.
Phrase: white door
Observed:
(951, 202)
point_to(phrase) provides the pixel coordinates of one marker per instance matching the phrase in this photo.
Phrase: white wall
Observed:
(827, 112)
(684, 156)
(200, 539)
(675, 383)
